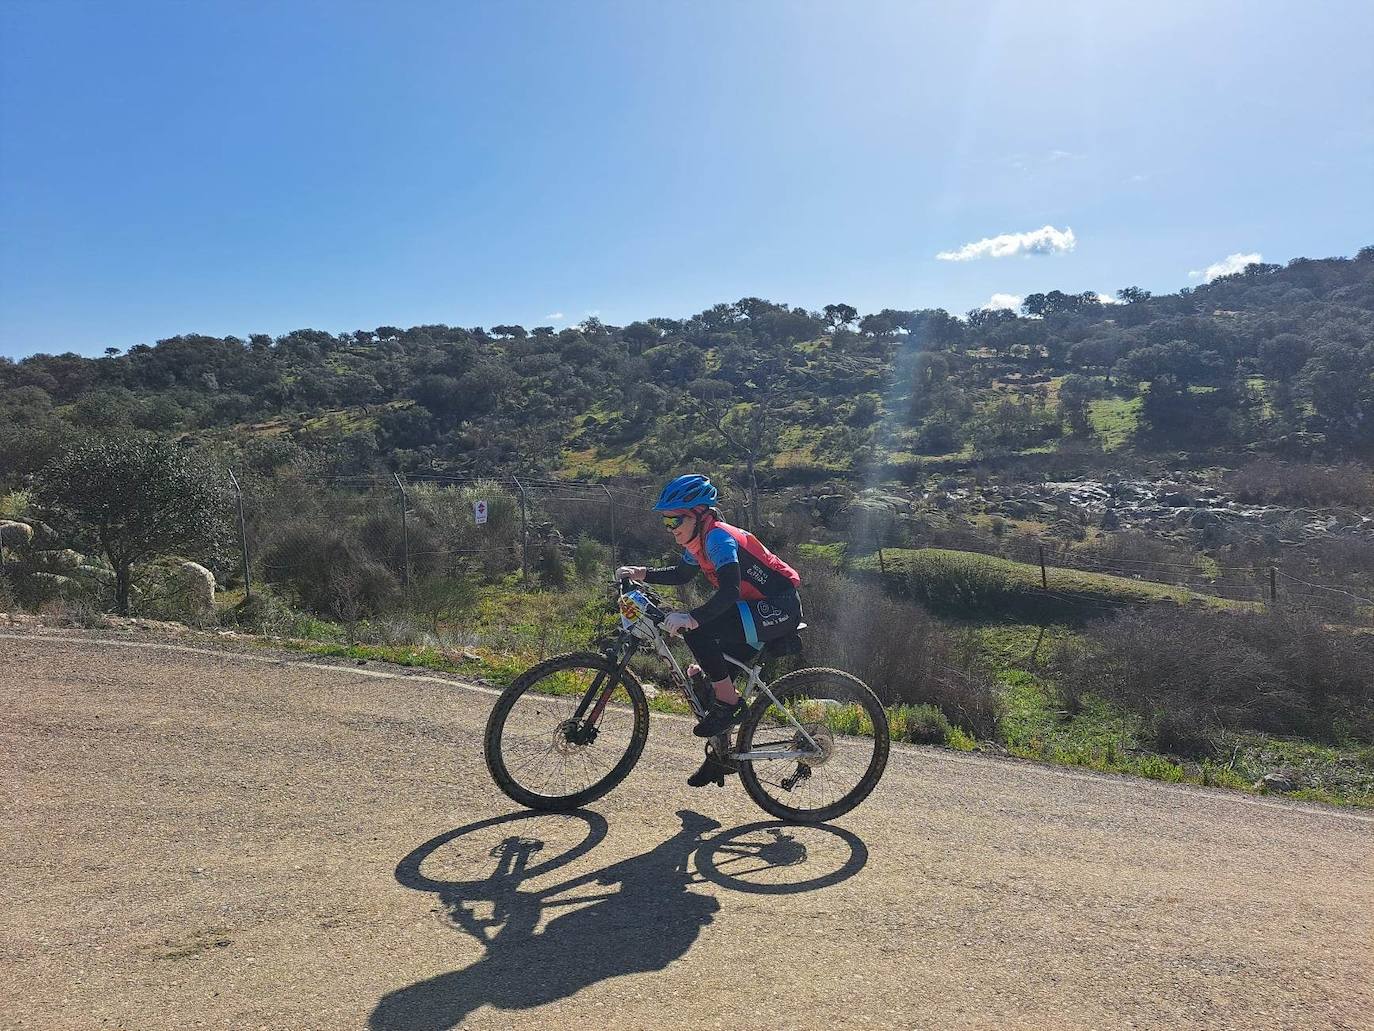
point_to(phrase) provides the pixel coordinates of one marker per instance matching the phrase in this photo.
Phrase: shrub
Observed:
(330, 572)
(919, 724)
(959, 741)
(1214, 775)
(1196, 672)
(898, 649)
(1267, 481)
(1177, 734)
(550, 565)
(590, 559)
(1157, 768)
(268, 614)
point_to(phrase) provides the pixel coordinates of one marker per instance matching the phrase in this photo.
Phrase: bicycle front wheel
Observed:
(542, 755)
(840, 763)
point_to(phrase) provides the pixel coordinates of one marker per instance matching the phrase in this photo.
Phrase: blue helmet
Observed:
(688, 491)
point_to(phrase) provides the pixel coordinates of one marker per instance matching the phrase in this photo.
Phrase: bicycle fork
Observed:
(596, 698)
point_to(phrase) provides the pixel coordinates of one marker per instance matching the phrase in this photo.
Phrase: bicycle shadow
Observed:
(650, 921)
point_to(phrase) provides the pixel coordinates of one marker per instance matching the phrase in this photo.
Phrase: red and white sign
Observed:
(479, 512)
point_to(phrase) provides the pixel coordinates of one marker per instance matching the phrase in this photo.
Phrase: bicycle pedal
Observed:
(718, 749)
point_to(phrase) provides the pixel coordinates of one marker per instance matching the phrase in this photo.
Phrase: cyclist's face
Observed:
(682, 532)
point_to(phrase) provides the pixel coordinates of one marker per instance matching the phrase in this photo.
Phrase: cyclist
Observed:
(756, 598)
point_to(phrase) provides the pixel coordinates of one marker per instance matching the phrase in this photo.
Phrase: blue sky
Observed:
(260, 167)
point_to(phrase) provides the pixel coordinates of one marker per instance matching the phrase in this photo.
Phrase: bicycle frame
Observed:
(646, 630)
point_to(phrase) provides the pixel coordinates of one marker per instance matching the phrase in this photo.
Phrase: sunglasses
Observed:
(673, 522)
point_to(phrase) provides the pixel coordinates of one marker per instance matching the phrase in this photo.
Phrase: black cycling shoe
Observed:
(721, 718)
(712, 771)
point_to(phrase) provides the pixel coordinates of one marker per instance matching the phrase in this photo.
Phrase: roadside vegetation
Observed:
(927, 470)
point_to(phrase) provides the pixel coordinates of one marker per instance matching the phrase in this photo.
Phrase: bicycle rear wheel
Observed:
(542, 756)
(845, 720)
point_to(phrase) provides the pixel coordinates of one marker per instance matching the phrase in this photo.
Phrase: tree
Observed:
(1132, 295)
(1075, 392)
(134, 498)
(837, 316)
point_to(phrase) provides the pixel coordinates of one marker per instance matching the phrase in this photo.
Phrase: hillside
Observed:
(1272, 359)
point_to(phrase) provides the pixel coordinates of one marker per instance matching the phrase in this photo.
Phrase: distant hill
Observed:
(1273, 359)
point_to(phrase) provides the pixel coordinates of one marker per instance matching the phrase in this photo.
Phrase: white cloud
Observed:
(1231, 263)
(1047, 240)
(1011, 302)
(556, 316)
(1108, 299)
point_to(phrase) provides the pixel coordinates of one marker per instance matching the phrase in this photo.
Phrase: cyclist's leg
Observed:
(708, 644)
(749, 625)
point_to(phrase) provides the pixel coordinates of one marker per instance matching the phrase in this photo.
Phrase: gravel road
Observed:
(203, 838)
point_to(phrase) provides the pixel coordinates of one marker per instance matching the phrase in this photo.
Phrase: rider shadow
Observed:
(650, 921)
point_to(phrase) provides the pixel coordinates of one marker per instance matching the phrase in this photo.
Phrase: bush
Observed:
(898, 649)
(590, 559)
(550, 566)
(330, 572)
(1267, 481)
(267, 614)
(1177, 734)
(1195, 673)
(919, 724)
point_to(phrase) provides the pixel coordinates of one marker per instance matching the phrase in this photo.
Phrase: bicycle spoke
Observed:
(543, 754)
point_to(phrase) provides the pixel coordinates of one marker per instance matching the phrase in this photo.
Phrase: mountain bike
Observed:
(812, 746)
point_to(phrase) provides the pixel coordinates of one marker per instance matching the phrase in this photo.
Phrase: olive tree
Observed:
(134, 498)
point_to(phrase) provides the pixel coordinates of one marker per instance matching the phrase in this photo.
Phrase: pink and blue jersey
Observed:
(761, 573)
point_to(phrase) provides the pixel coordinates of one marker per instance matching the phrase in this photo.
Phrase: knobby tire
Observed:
(521, 690)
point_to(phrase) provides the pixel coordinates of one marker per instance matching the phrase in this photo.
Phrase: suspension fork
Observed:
(604, 688)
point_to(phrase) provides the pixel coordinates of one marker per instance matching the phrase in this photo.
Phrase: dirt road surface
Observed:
(201, 839)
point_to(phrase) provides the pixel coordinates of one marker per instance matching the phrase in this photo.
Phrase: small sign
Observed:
(479, 511)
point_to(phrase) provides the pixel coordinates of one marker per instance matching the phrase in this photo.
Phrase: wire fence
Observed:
(1114, 582)
(345, 545)
(352, 546)
(427, 527)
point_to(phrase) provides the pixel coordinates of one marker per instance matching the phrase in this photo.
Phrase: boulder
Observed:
(1278, 780)
(177, 590)
(14, 534)
(65, 558)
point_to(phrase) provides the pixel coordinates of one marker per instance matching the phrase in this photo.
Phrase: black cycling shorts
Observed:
(739, 630)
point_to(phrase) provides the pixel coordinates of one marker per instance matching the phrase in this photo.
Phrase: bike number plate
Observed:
(632, 608)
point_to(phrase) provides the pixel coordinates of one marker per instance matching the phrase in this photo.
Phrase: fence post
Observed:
(524, 533)
(1044, 577)
(610, 507)
(405, 534)
(882, 567)
(243, 537)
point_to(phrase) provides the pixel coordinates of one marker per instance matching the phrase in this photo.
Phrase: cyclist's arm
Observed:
(672, 575)
(725, 597)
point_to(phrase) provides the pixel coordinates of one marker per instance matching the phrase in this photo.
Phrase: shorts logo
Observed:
(771, 615)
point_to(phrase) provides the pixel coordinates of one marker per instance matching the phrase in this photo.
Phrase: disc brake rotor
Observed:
(568, 737)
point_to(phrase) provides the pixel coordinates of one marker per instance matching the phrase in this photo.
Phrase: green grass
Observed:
(968, 585)
(1115, 420)
(518, 626)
